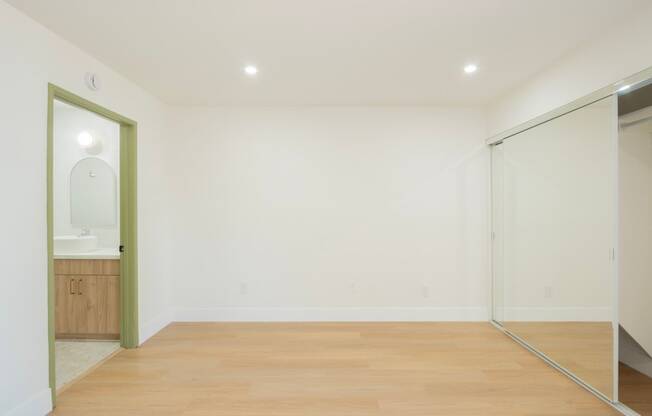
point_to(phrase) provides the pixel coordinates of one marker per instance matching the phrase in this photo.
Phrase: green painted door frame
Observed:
(128, 237)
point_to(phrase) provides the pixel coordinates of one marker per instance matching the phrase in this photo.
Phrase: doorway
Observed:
(92, 252)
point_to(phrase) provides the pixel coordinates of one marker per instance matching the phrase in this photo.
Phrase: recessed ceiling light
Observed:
(250, 70)
(470, 68)
(624, 88)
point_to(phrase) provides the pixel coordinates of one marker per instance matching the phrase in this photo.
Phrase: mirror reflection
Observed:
(553, 225)
(92, 194)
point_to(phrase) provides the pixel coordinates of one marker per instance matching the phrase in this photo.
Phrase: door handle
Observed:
(79, 292)
(71, 287)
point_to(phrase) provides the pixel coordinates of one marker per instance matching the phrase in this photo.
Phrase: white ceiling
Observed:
(311, 52)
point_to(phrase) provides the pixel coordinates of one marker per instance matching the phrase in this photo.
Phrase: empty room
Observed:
(326, 207)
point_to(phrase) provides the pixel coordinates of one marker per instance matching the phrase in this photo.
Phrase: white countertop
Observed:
(99, 254)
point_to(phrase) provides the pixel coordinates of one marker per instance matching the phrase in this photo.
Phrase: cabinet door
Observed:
(99, 305)
(80, 306)
(65, 297)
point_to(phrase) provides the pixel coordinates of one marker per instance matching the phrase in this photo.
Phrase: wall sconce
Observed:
(89, 142)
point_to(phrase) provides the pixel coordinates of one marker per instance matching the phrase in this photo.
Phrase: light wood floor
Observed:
(339, 369)
(635, 390)
(584, 348)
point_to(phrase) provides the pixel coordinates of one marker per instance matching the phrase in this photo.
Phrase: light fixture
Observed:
(624, 88)
(90, 142)
(92, 81)
(85, 140)
(250, 70)
(470, 68)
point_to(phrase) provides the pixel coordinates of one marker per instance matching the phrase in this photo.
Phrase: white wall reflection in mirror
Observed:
(92, 194)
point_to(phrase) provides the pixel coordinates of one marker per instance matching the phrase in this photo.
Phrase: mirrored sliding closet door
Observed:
(554, 215)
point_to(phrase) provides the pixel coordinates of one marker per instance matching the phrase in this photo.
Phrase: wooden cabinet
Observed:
(87, 299)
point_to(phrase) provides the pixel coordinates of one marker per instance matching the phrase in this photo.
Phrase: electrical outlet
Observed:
(425, 291)
(547, 292)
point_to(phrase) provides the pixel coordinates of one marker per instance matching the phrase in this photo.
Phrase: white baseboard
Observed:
(344, 314)
(39, 404)
(558, 314)
(151, 327)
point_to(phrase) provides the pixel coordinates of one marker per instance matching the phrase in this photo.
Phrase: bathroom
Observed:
(86, 240)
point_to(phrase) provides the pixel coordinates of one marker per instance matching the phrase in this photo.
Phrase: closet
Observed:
(572, 240)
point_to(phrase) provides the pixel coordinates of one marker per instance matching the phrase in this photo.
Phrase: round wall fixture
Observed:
(92, 81)
(90, 142)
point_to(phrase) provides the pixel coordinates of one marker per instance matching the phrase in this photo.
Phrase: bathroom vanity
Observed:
(87, 298)
(86, 257)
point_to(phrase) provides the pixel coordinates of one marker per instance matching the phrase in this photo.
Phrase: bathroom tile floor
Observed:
(74, 358)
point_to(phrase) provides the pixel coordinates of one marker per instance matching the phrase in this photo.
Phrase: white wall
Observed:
(31, 57)
(622, 51)
(635, 198)
(330, 214)
(69, 121)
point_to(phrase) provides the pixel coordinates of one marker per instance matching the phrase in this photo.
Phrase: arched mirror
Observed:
(92, 194)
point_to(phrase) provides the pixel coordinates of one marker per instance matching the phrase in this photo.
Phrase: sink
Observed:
(71, 244)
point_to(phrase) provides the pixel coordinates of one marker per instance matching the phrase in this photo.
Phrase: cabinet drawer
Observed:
(87, 267)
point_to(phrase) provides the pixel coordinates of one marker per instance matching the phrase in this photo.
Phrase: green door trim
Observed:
(128, 227)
